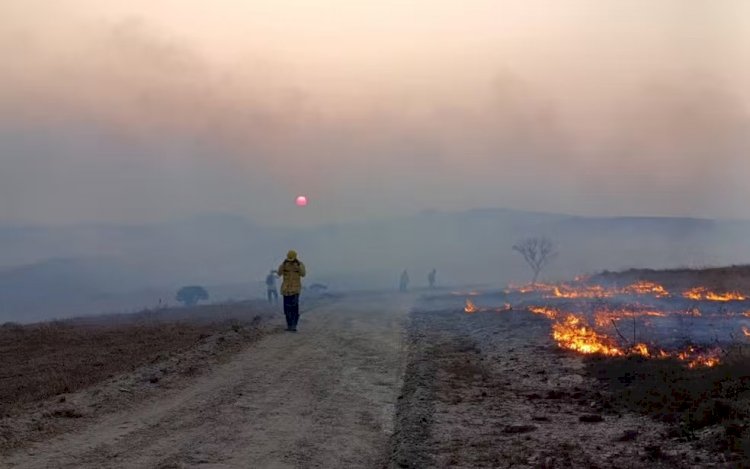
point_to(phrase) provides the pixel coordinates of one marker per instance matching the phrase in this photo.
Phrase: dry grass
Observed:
(40, 361)
(689, 399)
(733, 278)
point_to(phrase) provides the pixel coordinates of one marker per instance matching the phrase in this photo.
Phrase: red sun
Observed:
(301, 201)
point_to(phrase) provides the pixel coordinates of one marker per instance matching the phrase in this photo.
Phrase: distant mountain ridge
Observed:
(62, 269)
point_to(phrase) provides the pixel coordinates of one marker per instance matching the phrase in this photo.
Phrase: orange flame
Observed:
(703, 293)
(704, 361)
(694, 358)
(530, 288)
(550, 313)
(574, 334)
(641, 349)
(644, 287)
(592, 291)
(746, 331)
(572, 331)
(603, 318)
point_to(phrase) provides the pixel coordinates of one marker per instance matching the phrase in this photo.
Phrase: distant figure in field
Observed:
(292, 271)
(431, 277)
(273, 295)
(403, 284)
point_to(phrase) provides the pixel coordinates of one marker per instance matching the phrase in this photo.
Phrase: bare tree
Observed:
(537, 252)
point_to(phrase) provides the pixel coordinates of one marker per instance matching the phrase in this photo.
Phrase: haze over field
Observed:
(119, 118)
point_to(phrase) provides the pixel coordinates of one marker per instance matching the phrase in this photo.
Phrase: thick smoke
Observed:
(126, 121)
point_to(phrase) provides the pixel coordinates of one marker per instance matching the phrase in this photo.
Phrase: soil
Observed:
(370, 381)
(491, 390)
(323, 397)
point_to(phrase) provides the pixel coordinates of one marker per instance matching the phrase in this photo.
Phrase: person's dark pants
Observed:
(273, 296)
(291, 311)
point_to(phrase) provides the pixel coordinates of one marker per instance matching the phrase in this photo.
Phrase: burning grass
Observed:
(689, 399)
(573, 333)
(691, 327)
(472, 308)
(704, 294)
(719, 279)
(581, 289)
(639, 288)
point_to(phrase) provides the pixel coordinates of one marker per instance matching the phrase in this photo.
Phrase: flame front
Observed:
(580, 290)
(573, 331)
(592, 291)
(704, 294)
(605, 317)
(549, 313)
(746, 331)
(647, 288)
(574, 334)
(705, 360)
(642, 349)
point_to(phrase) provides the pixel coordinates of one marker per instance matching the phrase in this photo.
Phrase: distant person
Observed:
(273, 295)
(292, 271)
(404, 281)
(431, 277)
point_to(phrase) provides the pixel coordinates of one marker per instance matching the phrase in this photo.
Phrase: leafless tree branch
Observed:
(538, 252)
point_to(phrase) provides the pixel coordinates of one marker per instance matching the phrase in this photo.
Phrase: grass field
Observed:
(708, 405)
(40, 361)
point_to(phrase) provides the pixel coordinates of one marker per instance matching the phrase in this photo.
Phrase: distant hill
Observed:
(59, 270)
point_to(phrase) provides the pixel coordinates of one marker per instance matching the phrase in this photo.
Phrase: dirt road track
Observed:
(323, 397)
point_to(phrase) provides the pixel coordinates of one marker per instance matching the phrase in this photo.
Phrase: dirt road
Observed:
(323, 397)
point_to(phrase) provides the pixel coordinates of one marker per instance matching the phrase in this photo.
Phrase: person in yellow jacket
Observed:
(291, 270)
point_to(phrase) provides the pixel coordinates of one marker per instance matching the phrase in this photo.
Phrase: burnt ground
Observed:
(492, 390)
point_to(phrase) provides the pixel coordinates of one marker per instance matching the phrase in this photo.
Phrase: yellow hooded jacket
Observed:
(292, 271)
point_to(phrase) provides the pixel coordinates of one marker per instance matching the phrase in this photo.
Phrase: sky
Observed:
(145, 110)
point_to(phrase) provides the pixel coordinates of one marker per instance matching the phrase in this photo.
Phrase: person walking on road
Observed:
(273, 295)
(291, 270)
(403, 284)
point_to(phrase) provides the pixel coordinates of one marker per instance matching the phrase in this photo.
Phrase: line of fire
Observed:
(695, 326)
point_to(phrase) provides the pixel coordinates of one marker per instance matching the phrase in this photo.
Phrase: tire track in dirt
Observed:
(324, 397)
